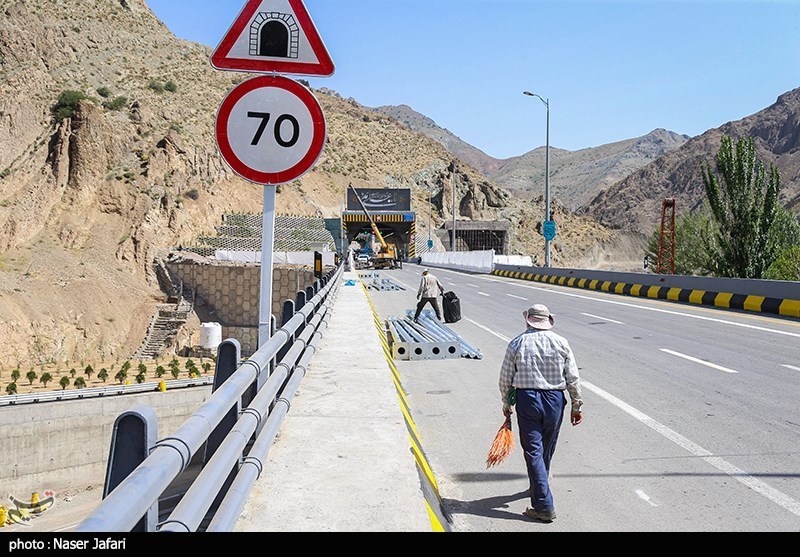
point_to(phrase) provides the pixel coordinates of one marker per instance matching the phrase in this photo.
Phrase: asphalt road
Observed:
(691, 420)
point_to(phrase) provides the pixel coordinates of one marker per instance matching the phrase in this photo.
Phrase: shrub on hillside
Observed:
(67, 104)
(171, 86)
(118, 103)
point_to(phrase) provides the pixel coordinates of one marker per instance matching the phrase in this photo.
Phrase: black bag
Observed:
(451, 306)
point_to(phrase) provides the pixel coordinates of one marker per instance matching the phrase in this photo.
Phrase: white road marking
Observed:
(698, 360)
(487, 329)
(65, 528)
(451, 283)
(760, 487)
(473, 285)
(483, 294)
(644, 497)
(517, 297)
(603, 318)
(704, 318)
(791, 367)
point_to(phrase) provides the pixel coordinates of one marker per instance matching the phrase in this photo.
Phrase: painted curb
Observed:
(762, 304)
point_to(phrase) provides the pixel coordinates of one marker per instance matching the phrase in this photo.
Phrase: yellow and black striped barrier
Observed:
(433, 499)
(763, 304)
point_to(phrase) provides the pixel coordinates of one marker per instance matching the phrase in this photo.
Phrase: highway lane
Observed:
(670, 443)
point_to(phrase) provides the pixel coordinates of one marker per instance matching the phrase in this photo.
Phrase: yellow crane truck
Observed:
(386, 256)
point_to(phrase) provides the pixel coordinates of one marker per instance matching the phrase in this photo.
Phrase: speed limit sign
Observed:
(270, 130)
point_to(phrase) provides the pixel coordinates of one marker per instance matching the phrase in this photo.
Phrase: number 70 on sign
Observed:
(270, 130)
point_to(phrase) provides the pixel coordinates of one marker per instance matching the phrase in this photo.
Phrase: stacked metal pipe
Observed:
(431, 323)
(427, 339)
(380, 283)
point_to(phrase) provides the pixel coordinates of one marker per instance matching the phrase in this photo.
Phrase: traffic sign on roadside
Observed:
(549, 230)
(270, 130)
(273, 36)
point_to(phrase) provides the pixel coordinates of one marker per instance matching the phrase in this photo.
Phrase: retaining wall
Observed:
(64, 445)
(229, 292)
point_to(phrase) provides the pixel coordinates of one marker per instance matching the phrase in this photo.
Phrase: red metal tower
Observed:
(666, 242)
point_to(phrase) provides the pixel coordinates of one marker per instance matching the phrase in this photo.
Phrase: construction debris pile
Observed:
(380, 283)
(428, 339)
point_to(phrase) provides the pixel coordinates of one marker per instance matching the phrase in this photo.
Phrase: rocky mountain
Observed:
(635, 203)
(459, 148)
(107, 160)
(576, 176)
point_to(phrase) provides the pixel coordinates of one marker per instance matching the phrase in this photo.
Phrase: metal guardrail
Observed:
(94, 392)
(229, 467)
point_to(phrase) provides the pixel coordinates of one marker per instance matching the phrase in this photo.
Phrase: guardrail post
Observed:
(229, 354)
(300, 300)
(134, 433)
(311, 291)
(288, 312)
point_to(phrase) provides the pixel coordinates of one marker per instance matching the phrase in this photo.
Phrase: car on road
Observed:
(362, 261)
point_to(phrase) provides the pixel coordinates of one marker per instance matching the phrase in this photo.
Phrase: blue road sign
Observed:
(430, 244)
(549, 230)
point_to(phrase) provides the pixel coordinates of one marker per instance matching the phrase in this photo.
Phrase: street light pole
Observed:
(547, 175)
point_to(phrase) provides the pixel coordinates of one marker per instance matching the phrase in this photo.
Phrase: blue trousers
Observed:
(539, 415)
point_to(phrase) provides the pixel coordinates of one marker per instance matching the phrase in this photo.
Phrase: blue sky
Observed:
(612, 70)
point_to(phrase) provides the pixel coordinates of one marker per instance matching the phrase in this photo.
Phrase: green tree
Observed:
(102, 375)
(31, 376)
(45, 378)
(11, 388)
(142, 368)
(15, 374)
(175, 372)
(189, 364)
(72, 373)
(126, 366)
(160, 371)
(80, 382)
(743, 198)
(89, 371)
(786, 266)
(140, 378)
(64, 382)
(121, 376)
(207, 367)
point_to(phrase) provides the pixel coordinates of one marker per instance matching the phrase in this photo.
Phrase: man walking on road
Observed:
(427, 292)
(537, 368)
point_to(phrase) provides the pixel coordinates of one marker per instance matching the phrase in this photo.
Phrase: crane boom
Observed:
(370, 219)
(387, 258)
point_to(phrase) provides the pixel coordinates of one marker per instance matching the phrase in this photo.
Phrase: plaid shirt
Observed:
(540, 360)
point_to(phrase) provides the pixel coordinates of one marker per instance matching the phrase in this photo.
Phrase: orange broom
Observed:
(503, 442)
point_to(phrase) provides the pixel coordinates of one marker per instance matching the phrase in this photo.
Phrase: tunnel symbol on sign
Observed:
(274, 34)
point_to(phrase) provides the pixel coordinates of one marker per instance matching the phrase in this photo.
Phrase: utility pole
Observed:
(429, 220)
(453, 185)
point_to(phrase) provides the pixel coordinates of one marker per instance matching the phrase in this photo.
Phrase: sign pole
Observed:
(267, 244)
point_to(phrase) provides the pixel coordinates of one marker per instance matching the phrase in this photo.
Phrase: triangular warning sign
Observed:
(273, 36)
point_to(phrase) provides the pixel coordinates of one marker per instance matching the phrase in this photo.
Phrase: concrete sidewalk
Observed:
(342, 460)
